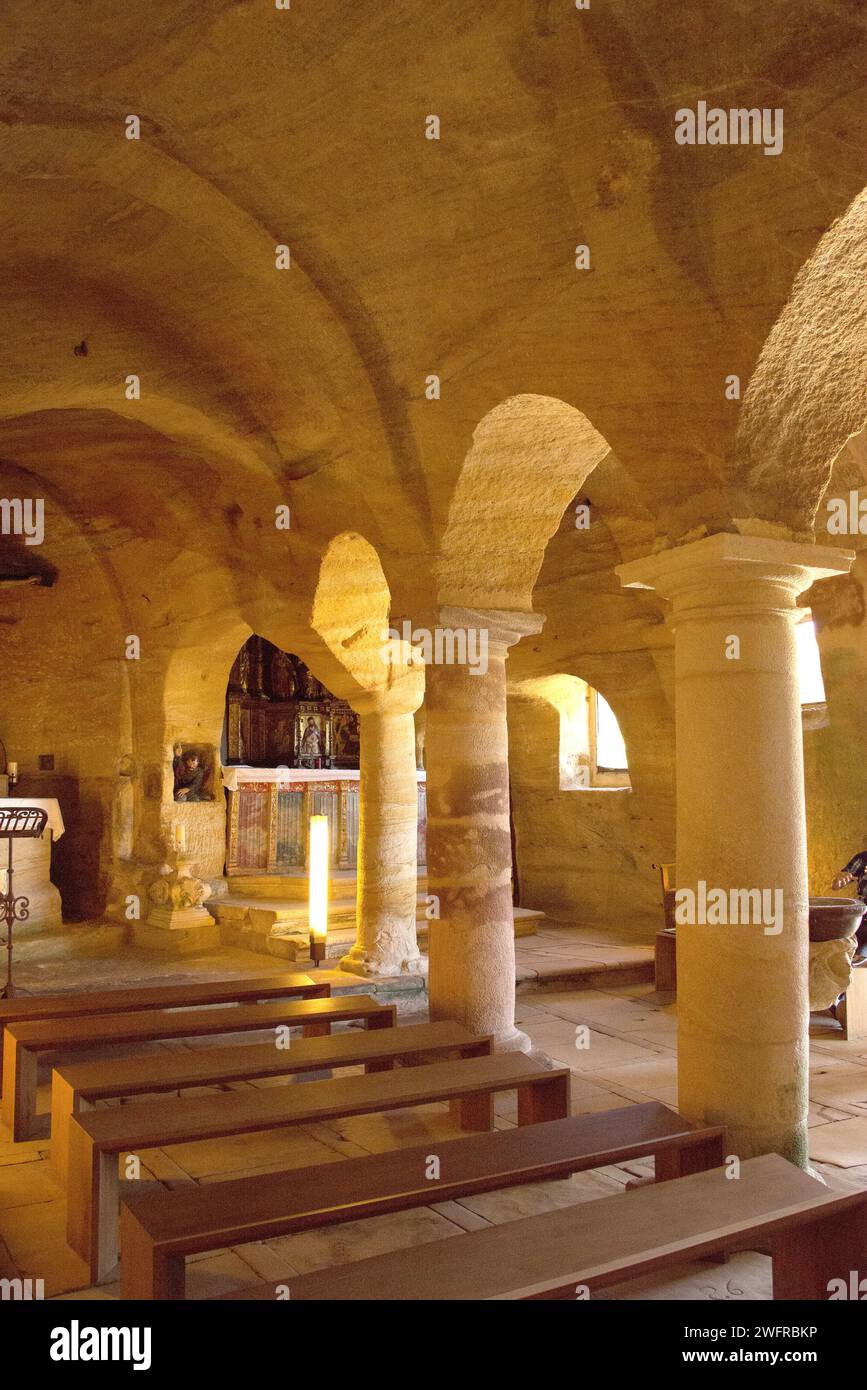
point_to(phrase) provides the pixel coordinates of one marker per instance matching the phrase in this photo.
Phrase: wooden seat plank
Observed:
(159, 1229)
(191, 994)
(25, 1042)
(594, 1244)
(77, 1086)
(97, 1138)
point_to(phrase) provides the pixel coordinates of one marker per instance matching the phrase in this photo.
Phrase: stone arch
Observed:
(350, 614)
(529, 457)
(571, 697)
(806, 395)
(311, 370)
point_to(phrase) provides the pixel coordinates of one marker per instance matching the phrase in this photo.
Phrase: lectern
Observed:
(16, 823)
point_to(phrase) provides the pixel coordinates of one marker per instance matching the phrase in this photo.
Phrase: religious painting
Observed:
(281, 740)
(274, 704)
(310, 739)
(284, 680)
(192, 767)
(345, 738)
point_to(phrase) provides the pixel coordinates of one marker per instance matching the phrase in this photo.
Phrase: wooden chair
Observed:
(665, 956)
(814, 1236)
(159, 1229)
(98, 1139)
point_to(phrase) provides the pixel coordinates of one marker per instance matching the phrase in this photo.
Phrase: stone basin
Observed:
(831, 919)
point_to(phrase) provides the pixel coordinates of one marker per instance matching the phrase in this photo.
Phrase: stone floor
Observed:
(93, 955)
(626, 1055)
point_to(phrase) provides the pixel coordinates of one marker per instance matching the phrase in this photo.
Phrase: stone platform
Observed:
(267, 913)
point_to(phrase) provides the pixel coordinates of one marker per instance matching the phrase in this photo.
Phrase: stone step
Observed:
(526, 919)
(293, 888)
(279, 928)
(290, 887)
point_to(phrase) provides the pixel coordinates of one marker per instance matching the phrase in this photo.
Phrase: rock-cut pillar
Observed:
(386, 941)
(743, 1012)
(469, 855)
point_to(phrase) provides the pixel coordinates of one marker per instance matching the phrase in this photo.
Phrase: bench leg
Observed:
(387, 1018)
(92, 1204)
(19, 1090)
(320, 1029)
(477, 1112)
(852, 1009)
(106, 1214)
(806, 1259)
(381, 1064)
(63, 1107)
(145, 1272)
(683, 1159)
(543, 1100)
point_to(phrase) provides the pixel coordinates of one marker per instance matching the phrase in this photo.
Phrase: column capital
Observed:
(504, 627)
(403, 697)
(728, 568)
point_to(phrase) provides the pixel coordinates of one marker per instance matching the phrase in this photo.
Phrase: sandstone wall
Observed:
(834, 754)
(585, 854)
(66, 693)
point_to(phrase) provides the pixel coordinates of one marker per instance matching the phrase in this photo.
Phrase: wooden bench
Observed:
(97, 1139)
(813, 1235)
(77, 1086)
(851, 1012)
(283, 985)
(159, 1229)
(25, 1042)
(665, 961)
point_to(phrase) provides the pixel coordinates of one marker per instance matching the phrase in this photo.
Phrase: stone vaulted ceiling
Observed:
(306, 127)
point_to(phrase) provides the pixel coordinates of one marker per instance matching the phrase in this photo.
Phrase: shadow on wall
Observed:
(75, 857)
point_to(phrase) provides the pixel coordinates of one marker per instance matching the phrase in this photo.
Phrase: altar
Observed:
(270, 810)
(31, 865)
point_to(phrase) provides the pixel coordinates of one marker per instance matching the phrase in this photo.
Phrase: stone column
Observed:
(469, 853)
(385, 941)
(742, 988)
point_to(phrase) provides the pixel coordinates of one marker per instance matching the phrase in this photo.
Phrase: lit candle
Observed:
(180, 836)
(317, 868)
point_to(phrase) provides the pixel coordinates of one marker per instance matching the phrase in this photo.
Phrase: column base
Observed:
(512, 1041)
(357, 961)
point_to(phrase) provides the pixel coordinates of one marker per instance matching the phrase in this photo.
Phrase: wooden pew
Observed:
(25, 1042)
(814, 1236)
(284, 985)
(852, 1009)
(77, 1086)
(98, 1138)
(159, 1229)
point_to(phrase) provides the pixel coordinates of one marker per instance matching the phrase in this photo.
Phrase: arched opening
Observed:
(278, 715)
(291, 751)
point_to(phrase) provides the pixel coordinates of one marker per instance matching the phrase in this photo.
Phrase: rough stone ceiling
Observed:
(306, 127)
